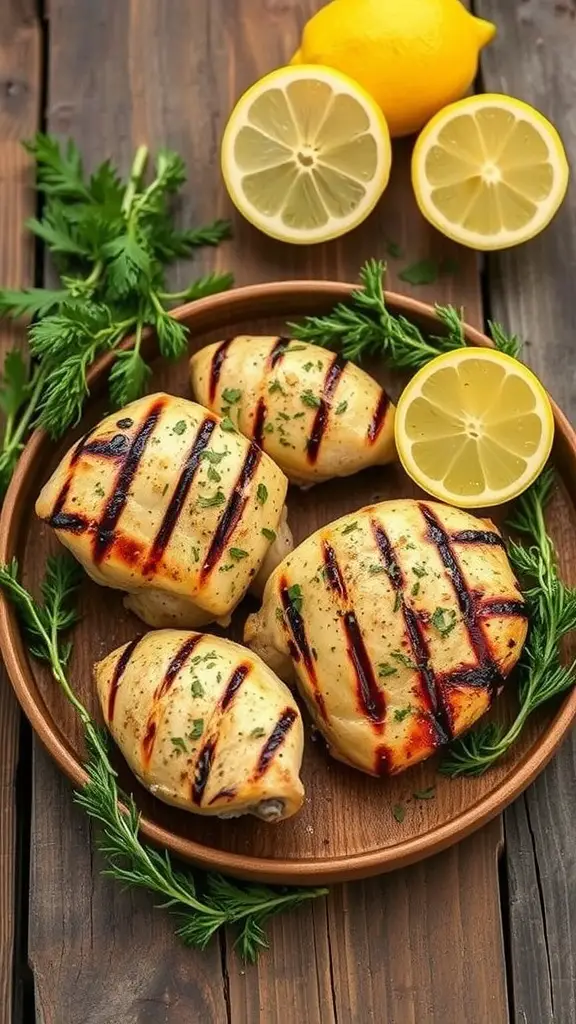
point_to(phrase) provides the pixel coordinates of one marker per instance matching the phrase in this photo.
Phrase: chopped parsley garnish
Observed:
(397, 601)
(419, 571)
(283, 416)
(444, 620)
(196, 554)
(350, 527)
(341, 407)
(399, 812)
(285, 443)
(295, 596)
(425, 794)
(280, 615)
(238, 554)
(197, 688)
(197, 729)
(262, 493)
(231, 395)
(308, 367)
(298, 415)
(386, 669)
(215, 499)
(269, 428)
(179, 744)
(404, 659)
(309, 398)
(375, 569)
(415, 589)
(100, 492)
(213, 457)
(214, 475)
(269, 534)
(275, 386)
(298, 348)
(401, 713)
(257, 733)
(226, 424)
(166, 486)
(180, 427)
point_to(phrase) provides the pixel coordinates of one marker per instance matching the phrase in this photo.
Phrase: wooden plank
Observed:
(170, 73)
(19, 95)
(531, 291)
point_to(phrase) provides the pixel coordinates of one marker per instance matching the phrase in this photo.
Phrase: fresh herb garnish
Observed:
(197, 729)
(101, 493)
(423, 272)
(415, 589)
(404, 659)
(196, 554)
(363, 326)
(226, 424)
(231, 395)
(374, 570)
(394, 250)
(401, 713)
(399, 812)
(269, 534)
(179, 743)
(202, 903)
(275, 386)
(350, 527)
(309, 398)
(386, 669)
(257, 733)
(262, 493)
(214, 475)
(397, 601)
(419, 571)
(279, 615)
(215, 499)
(341, 407)
(196, 687)
(213, 457)
(112, 241)
(180, 427)
(425, 794)
(444, 620)
(238, 554)
(295, 596)
(552, 613)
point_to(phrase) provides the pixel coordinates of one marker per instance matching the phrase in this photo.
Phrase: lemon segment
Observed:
(489, 171)
(306, 154)
(474, 427)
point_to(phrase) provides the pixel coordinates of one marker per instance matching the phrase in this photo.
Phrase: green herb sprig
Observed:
(364, 326)
(203, 904)
(552, 609)
(111, 242)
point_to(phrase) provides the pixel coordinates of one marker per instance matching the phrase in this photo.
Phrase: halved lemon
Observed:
(489, 171)
(306, 154)
(474, 427)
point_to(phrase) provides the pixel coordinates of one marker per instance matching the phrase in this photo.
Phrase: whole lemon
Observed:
(412, 56)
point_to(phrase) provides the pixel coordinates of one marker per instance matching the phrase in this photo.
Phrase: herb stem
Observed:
(136, 172)
(14, 438)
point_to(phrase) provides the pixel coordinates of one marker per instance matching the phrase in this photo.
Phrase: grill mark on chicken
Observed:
(299, 646)
(335, 371)
(176, 663)
(119, 670)
(109, 449)
(478, 537)
(275, 740)
(232, 513)
(59, 519)
(216, 367)
(202, 770)
(149, 741)
(333, 574)
(378, 417)
(105, 529)
(259, 420)
(514, 609)
(277, 352)
(440, 538)
(179, 496)
(236, 679)
(223, 794)
(429, 685)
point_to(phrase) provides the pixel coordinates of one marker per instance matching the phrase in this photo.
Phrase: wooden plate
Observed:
(347, 828)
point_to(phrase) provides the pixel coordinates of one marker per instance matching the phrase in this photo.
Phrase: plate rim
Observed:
(200, 316)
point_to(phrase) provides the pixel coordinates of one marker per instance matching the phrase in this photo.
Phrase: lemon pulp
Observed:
(474, 427)
(305, 154)
(489, 171)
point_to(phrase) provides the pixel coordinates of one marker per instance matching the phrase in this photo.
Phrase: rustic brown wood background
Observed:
(464, 938)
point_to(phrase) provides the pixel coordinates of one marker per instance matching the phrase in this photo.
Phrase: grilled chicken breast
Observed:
(160, 500)
(400, 623)
(204, 724)
(315, 414)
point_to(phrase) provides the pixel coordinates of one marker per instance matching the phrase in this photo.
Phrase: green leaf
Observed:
(295, 596)
(30, 302)
(128, 377)
(262, 493)
(128, 264)
(172, 336)
(58, 168)
(423, 272)
(269, 534)
(238, 554)
(219, 498)
(14, 383)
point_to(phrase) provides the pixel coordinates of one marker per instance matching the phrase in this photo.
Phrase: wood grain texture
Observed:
(122, 73)
(531, 291)
(19, 95)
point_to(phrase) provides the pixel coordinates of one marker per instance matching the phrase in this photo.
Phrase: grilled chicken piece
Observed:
(401, 622)
(315, 414)
(204, 724)
(160, 500)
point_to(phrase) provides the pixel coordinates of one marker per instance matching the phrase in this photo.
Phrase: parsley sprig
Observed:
(202, 903)
(111, 242)
(552, 608)
(364, 326)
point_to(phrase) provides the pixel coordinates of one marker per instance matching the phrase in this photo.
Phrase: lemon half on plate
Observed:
(306, 154)
(489, 171)
(474, 427)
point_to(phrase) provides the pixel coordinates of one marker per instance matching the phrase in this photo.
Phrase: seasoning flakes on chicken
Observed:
(317, 415)
(400, 622)
(161, 501)
(204, 724)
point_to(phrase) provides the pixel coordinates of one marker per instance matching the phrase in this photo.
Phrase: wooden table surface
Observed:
(482, 934)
